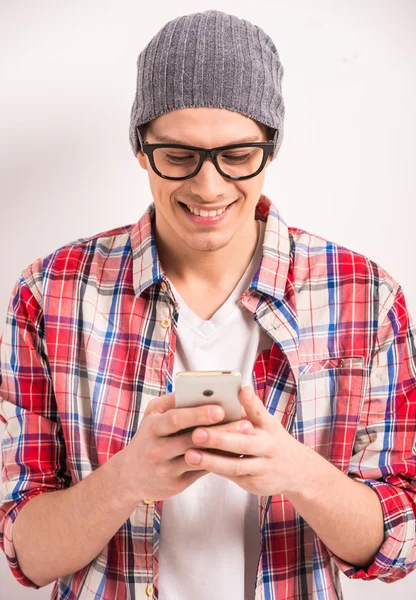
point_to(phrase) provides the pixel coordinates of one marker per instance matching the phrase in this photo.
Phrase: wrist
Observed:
(297, 463)
(125, 476)
(311, 474)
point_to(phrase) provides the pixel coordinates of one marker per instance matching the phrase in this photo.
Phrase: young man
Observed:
(318, 476)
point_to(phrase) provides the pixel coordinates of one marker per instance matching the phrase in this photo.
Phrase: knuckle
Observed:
(216, 440)
(153, 426)
(152, 455)
(173, 420)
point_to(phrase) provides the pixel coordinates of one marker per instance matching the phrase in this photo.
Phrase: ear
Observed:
(142, 158)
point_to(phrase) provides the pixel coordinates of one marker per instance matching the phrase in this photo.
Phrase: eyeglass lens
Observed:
(180, 162)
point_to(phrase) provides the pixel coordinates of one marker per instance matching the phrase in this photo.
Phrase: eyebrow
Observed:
(163, 139)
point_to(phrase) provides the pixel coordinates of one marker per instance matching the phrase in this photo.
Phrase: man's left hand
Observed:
(270, 452)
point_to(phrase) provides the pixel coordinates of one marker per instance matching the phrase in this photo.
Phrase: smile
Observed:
(205, 217)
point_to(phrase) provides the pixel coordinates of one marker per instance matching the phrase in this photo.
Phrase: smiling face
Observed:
(207, 128)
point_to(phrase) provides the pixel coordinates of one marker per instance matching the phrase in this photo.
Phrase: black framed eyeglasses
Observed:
(235, 161)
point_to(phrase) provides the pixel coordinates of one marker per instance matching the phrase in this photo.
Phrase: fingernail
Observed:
(194, 457)
(244, 428)
(201, 436)
(215, 413)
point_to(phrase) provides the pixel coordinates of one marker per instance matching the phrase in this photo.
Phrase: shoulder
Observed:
(74, 258)
(317, 259)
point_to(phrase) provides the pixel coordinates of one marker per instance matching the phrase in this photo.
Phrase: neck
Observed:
(218, 269)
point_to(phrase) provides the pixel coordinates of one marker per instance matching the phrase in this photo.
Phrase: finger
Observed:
(161, 404)
(240, 426)
(232, 467)
(177, 444)
(243, 425)
(238, 443)
(180, 468)
(254, 407)
(189, 477)
(177, 419)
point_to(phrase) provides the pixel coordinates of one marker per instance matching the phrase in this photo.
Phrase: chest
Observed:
(203, 302)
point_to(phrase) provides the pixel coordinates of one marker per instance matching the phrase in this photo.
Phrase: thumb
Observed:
(160, 404)
(254, 407)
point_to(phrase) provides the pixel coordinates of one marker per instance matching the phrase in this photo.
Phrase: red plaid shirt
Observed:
(86, 347)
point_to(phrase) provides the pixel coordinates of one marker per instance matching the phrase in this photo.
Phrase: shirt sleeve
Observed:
(384, 454)
(32, 450)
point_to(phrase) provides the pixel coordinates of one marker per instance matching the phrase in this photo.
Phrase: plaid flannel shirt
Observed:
(90, 339)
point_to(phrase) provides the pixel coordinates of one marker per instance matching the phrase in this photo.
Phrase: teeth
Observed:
(206, 213)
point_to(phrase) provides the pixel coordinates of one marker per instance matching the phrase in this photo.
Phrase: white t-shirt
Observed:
(210, 533)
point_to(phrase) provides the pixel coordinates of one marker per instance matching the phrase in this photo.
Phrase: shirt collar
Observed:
(270, 277)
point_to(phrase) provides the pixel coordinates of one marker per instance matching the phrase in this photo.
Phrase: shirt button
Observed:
(165, 322)
(149, 589)
(164, 286)
(147, 501)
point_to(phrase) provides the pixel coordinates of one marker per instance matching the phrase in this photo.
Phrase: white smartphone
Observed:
(196, 388)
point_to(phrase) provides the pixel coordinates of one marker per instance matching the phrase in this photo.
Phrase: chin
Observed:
(205, 243)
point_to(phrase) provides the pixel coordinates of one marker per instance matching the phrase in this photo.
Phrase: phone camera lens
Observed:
(207, 392)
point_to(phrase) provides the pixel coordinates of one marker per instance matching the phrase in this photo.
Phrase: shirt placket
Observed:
(281, 324)
(166, 320)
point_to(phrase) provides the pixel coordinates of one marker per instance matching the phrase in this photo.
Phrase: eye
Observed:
(236, 157)
(180, 158)
(176, 158)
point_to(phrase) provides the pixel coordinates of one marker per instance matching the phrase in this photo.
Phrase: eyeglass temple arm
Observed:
(275, 138)
(139, 135)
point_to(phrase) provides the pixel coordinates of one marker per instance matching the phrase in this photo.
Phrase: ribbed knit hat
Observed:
(209, 59)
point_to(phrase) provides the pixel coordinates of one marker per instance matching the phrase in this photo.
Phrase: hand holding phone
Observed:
(155, 458)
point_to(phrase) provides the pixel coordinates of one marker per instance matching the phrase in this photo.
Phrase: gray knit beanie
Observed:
(209, 59)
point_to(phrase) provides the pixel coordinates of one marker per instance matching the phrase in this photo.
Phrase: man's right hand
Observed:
(155, 454)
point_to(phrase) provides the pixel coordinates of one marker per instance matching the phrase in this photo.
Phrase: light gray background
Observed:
(346, 170)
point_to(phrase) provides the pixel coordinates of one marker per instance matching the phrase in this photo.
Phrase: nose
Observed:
(208, 183)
